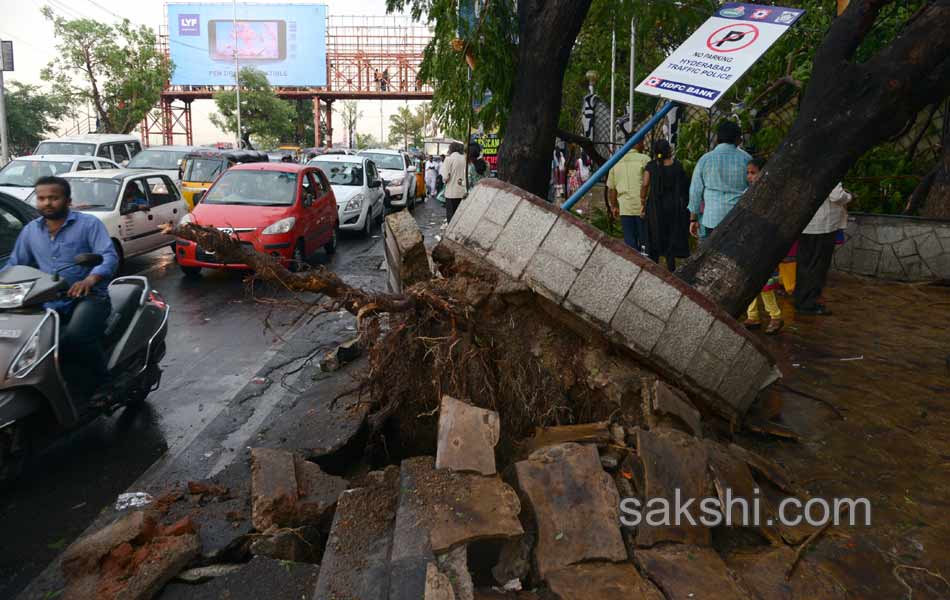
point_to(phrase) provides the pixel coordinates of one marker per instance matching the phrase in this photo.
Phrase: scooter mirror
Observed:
(88, 260)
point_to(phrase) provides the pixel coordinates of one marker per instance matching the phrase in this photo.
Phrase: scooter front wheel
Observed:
(14, 451)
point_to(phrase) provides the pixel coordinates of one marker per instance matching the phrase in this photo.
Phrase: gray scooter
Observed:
(35, 402)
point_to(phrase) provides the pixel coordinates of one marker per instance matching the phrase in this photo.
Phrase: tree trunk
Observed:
(547, 30)
(846, 110)
(937, 204)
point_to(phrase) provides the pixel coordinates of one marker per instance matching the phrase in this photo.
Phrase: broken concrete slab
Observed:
(685, 572)
(288, 491)
(406, 257)
(467, 437)
(454, 564)
(616, 292)
(764, 575)
(343, 354)
(132, 559)
(603, 581)
(669, 407)
(674, 465)
(733, 480)
(256, 580)
(357, 557)
(514, 560)
(575, 506)
(205, 574)
(585, 433)
(287, 544)
(438, 586)
(440, 510)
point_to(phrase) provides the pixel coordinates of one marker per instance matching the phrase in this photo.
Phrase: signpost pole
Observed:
(605, 168)
(237, 71)
(4, 143)
(633, 61)
(613, 78)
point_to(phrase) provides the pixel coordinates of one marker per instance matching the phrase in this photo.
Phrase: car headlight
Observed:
(395, 181)
(12, 295)
(282, 226)
(27, 357)
(355, 204)
(186, 219)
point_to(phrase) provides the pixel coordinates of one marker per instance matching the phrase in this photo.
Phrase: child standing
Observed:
(767, 295)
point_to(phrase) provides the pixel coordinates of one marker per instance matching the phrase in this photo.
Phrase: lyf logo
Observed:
(732, 38)
(189, 25)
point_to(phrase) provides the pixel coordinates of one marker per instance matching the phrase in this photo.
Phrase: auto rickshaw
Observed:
(202, 168)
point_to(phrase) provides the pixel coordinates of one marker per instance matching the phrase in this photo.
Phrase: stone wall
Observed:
(896, 248)
(667, 324)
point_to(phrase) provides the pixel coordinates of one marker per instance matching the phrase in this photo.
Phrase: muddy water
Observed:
(868, 391)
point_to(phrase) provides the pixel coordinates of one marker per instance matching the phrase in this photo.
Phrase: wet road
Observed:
(217, 341)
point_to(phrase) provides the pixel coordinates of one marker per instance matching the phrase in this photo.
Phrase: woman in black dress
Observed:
(666, 210)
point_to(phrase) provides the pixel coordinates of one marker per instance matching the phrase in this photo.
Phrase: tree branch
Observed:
(846, 34)
(586, 143)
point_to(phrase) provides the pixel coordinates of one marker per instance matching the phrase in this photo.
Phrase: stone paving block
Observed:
(602, 284)
(904, 248)
(569, 243)
(549, 276)
(654, 295)
(467, 437)
(739, 380)
(575, 505)
(706, 370)
(723, 342)
(472, 212)
(915, 268)
(684, 333)
(940, 265)
(603, 581)
(521, 238)
(501, 207)
(865, 261)
(890, 235)
(639, 328)
(890, 265)
(914, 230)
(483, 237)
(682, 572)
(671, 401)
(273, 487)
(928, 246)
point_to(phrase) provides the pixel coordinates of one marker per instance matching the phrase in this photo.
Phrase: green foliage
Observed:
(263, 114)
(493, 47)
(32, 115)
(117, 68)
(366, 140)
(882, 180)
(406, 128)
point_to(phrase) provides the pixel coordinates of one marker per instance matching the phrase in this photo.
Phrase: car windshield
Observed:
(92, 193)
(66, 148)
(256, 188)
(203, 170)
(341, 173)
(386, 161)
(157, 159)
(24, 173)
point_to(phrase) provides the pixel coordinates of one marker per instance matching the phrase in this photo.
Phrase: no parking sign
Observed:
(711, 60)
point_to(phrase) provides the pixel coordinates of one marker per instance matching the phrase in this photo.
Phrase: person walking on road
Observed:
(767, 295)
(625, 194)
(432, 172)
(719, 180)
(816, 247)
(454, 176)
(667, 218)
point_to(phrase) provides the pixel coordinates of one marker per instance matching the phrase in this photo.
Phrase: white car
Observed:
(117, 148)
(398, 174)
(132, 204)
(163, 159)
(358, 189)
(19, 175)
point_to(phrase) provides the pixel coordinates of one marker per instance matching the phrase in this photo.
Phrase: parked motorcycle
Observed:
(35, 402)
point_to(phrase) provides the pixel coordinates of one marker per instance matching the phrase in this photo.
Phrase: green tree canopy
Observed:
(407, 127)
(32, 115)
(118, 68)
(263, 114)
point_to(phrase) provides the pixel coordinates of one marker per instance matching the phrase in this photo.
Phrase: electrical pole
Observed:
(237, 71)
(6, 63)
(613, 81)
(381, 123)
(633, 62)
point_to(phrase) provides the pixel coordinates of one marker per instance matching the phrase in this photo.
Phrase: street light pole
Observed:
(633, 61)
(4, 142)
(613, 79)
(237, 70)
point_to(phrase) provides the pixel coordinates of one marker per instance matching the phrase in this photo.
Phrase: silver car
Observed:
(398, 174)
(19, 175)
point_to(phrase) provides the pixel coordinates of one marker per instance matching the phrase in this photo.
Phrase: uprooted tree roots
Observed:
(468, 335)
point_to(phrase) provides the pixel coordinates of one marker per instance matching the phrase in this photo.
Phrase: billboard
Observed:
(285, 41)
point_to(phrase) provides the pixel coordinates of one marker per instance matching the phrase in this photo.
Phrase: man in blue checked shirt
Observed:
(51, 243)
(718, 180)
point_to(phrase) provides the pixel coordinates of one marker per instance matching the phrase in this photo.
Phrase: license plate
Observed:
(9, 334)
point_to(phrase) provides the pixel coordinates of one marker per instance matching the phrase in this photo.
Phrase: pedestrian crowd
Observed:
(659, 206)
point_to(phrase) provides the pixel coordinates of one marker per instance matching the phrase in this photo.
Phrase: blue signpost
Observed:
(633, 141)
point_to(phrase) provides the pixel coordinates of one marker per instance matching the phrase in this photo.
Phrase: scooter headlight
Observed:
(12, 295)
(27, 357)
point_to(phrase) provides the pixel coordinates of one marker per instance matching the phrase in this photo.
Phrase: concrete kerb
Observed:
(574, 265)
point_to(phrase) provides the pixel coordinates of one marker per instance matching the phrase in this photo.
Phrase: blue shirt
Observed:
(81, 233)
(719, 180)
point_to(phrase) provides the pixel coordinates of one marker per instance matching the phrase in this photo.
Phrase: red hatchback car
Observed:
(282, 209)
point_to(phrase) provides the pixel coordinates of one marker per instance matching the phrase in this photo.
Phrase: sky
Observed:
(34, 46)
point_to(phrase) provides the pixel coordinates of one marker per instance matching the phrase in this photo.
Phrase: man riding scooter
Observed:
(51, 244)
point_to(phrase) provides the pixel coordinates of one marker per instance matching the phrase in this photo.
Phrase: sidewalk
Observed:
(867, 389)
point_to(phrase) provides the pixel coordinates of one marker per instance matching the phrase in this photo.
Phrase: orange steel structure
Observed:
(368, 58)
